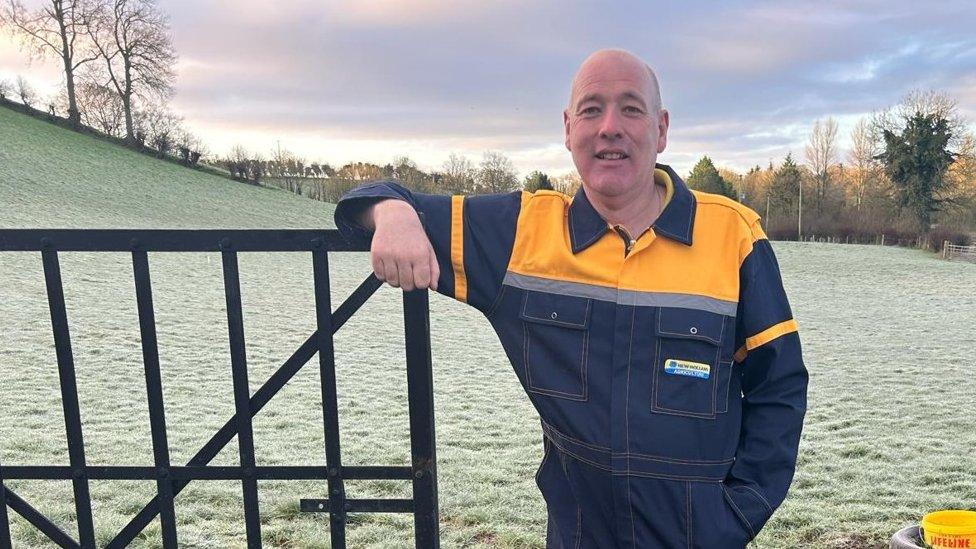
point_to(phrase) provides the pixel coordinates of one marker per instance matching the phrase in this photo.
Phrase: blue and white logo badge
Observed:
(685, 368)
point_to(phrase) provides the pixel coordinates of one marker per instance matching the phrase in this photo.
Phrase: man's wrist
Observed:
(370, 215)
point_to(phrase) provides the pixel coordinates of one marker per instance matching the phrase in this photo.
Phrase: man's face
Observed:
(612, 126)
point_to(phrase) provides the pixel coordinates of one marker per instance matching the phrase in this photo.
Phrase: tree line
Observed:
(910, 174)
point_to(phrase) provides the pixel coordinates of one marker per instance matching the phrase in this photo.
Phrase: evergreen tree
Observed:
(917, 162)
(705, 177)
(785, 186)
(536, 181)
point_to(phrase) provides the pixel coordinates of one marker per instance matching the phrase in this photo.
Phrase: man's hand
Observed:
(401, 253)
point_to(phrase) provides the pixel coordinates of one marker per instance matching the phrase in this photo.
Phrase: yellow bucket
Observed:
(950, 530)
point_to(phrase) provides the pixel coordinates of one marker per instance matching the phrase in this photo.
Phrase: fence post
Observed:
(945, 249)
(420, 391)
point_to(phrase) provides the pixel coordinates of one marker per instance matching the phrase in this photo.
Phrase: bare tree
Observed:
(190, 147)
(238, 162)
(25, 92)
(821, 153)
(5, 88)
(496, 174)
(160, 127)
(101, 108)
(57, 28)
(568, 183)
(459, 174)
(861, 159)
(132, 38)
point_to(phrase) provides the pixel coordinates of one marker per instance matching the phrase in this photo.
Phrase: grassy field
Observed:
(887, 335)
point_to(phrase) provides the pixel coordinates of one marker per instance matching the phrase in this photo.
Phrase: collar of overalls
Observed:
(676, 221)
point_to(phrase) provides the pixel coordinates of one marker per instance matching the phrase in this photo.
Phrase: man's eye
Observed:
(633, 110)
(590, 110)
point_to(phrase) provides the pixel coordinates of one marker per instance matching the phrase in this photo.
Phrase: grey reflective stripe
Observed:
(684, 301)
(577, 289)
(622, 297)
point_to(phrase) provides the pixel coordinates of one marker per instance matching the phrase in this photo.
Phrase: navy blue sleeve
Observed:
(472, 236)
(774, 387)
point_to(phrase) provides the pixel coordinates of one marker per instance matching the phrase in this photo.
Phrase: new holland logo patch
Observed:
(685, 368)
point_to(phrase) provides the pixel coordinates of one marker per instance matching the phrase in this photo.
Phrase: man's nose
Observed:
(610, 125)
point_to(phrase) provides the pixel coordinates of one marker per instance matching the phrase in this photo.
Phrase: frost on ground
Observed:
(887, 336)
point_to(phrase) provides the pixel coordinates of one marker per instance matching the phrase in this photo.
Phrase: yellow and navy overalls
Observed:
(666, 369)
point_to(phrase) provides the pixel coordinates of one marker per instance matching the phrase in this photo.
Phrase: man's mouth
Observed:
(611, 155)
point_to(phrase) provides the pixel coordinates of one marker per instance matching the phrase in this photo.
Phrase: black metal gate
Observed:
(171, 479)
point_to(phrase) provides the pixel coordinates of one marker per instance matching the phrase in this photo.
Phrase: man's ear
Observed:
(566, 127)
(663, 122)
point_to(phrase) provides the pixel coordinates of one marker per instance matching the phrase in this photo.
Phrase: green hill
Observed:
(53, 177)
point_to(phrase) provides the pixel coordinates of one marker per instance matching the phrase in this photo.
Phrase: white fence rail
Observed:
(953, 251)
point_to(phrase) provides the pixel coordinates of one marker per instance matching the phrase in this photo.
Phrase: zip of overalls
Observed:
(628, 240)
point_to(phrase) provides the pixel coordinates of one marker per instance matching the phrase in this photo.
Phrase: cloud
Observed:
(742, 81)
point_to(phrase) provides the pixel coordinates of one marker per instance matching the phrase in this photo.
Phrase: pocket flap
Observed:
(557, 310)
(690, 324)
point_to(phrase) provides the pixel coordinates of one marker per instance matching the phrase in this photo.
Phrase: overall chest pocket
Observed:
(690, 377)
(555, 344)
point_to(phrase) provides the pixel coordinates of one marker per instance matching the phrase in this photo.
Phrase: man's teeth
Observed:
(612, 156)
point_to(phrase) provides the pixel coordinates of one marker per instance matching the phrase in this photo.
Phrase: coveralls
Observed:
(666, 369)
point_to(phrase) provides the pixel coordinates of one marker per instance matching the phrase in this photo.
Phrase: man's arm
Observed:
(774, 385)
(456, 245)
(400, 252)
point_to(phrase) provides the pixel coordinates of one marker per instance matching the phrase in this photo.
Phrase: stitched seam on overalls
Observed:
(688, 523)
(545, 456)
(579, 526)
(630, 356)
(702, 462)
(739, 512)
(766, 503)
(494, 306)
(580, 458)
(727, 386)
(556, 433)
(560, 434)
(678, 335)
(667, 476)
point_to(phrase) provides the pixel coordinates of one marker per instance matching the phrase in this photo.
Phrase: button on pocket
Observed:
(556, 342)
(688, 371)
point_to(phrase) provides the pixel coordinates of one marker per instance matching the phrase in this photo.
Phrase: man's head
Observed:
(615, 126)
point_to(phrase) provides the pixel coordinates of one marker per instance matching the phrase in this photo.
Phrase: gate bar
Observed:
(5, 541)
(242, 392)
(69, 397)
(207, 472)
(154, 393)
(330, 403)
(33, 516)
(420, 391)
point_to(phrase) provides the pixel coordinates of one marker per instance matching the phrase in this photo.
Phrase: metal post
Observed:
(69, 397)
(420, 388)
(154, 395)
(242, 393)
(5, 541)
(330, 403)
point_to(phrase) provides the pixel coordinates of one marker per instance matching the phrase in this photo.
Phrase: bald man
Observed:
(647, 323)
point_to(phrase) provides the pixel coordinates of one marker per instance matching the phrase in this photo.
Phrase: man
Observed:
(646, 322)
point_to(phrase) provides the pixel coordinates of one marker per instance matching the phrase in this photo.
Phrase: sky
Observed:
(368, 80)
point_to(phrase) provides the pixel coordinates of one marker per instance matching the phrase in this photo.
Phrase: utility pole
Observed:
(799, 213)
